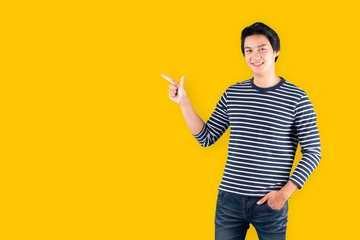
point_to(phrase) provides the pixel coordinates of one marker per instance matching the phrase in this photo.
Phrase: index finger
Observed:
(168, 78)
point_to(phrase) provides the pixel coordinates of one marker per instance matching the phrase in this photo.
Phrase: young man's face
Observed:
(259, 54)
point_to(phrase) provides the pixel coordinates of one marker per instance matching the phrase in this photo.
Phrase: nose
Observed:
(256, 55)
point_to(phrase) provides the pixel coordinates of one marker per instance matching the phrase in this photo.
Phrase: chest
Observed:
(266, 112)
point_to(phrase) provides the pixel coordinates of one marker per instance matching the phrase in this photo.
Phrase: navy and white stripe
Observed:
(266, 126)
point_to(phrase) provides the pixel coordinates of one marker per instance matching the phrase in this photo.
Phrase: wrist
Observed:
(184, 103)
(285, 194)
(288, 189)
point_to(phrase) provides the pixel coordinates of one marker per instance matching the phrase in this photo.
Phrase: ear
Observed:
(277, 53)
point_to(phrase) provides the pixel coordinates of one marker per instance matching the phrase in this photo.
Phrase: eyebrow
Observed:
(258, 46)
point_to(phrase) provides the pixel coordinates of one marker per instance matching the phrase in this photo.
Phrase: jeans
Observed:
(235, 212)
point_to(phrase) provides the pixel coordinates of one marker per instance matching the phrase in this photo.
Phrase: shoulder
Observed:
(302, 98)
(292, 89)
(236, 86)
(239, 85)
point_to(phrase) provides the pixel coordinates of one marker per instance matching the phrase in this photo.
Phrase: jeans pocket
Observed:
(222, 195)
(277, 210)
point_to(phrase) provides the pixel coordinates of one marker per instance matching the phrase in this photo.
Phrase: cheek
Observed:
(269, 57)
(249, 64)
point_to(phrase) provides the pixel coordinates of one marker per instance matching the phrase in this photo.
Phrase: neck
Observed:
(266, 80)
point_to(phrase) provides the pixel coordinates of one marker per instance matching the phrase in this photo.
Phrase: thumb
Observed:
(261, 201)
(182, 81)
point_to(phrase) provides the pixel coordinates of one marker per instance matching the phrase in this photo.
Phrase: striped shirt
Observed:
(266, 126)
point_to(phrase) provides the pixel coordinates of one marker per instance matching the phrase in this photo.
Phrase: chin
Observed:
(258, 71)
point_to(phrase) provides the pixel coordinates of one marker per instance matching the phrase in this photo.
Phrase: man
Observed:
(268, 117)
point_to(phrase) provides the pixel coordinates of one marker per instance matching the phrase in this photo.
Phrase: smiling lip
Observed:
(258, 64)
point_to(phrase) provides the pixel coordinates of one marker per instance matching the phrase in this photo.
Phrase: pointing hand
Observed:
(176, 91)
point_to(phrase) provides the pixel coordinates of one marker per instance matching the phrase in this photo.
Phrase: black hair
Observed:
(261, 28)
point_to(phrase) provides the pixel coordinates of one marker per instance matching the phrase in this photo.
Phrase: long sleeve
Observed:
(217, 124)
(308, 135)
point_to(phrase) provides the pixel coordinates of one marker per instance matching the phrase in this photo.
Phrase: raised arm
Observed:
(177, 94)
(217, 124)
(205, 133)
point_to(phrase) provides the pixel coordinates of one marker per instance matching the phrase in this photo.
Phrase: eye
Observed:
(262, 49)
(248, 50)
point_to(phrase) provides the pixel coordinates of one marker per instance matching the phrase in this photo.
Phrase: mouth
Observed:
(257, 64)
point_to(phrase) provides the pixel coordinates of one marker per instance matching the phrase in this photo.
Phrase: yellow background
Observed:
(93, 148)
